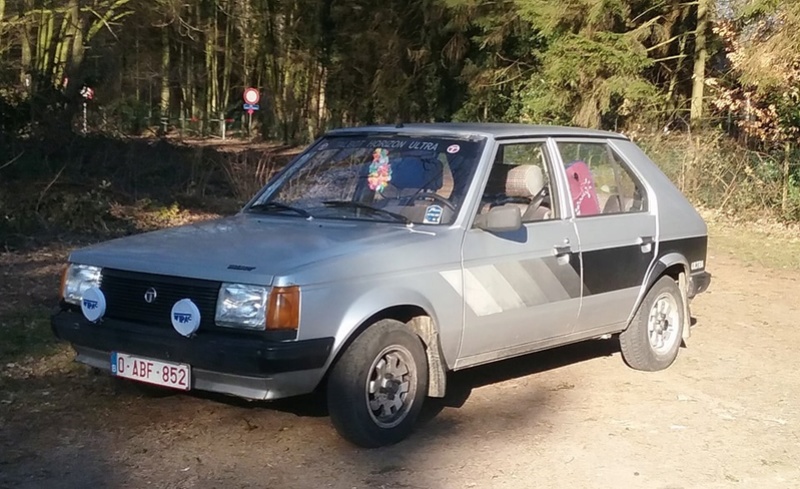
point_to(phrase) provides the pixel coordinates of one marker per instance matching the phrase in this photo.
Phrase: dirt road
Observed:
(727, 414)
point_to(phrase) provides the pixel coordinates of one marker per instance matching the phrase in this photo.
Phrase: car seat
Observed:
(582, 189)
(527, 181)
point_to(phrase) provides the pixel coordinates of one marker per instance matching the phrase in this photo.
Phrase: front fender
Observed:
(376, 300)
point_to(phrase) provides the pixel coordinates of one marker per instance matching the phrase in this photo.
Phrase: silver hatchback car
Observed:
(383, 258)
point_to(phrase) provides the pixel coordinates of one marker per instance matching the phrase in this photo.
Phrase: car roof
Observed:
(486, 129)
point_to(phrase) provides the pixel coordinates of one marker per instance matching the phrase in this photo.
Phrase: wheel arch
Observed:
(676, 266)
(421, 321)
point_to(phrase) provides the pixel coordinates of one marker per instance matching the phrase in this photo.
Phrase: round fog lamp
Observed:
(185, 317)
(93, 304)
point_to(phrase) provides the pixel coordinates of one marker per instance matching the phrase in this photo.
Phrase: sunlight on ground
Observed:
(767, 245)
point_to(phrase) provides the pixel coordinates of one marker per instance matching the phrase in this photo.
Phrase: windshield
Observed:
(376, 177)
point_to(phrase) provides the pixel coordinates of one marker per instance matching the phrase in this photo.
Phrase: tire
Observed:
(652, 340)
(372, 414)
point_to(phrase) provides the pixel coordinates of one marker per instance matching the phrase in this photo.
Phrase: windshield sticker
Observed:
(389, 144)
(379, 144)
(433, 214)
(380, 171)
(423, 145)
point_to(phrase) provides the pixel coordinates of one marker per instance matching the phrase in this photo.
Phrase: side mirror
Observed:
(500, 220)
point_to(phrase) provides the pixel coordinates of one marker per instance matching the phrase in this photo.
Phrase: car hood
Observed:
(244, 248)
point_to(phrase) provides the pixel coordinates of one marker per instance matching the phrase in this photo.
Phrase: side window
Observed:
(599, 181)
(520, 178)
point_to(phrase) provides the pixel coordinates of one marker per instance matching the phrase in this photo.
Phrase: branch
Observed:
(11, 162)
(53, 181)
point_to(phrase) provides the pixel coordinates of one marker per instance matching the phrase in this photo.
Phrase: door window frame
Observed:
(632, 172)
(556, 177)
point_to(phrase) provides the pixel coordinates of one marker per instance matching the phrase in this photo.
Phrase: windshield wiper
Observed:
(369, 208)
(277, 206)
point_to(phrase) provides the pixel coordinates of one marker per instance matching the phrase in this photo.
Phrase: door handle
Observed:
(562, 250)
(646, 243)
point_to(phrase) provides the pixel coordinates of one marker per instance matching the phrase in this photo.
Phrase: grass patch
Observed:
(25, 333)
(767, 245)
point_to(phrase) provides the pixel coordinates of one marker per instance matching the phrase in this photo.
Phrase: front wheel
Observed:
(653, 338)
(376, 388)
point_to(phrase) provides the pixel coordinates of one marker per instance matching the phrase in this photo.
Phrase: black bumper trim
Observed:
(218, 352)
(698, 283)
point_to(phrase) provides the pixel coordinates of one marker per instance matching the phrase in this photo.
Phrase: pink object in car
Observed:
(581, 188)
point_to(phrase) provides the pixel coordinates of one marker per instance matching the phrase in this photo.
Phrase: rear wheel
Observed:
(653, 338)
(376, 388)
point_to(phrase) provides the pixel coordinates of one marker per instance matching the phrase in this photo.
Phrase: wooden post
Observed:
(785, 197)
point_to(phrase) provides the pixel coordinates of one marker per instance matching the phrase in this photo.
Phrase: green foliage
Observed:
(586, 80)
(615, 64)
(584, 62)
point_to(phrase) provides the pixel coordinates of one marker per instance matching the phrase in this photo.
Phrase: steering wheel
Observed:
(432, 196)
(540, 197)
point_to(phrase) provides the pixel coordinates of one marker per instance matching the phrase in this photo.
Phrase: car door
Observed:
(617, 230)
(520, 288)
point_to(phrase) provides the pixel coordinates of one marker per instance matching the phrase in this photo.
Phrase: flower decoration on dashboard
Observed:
(380, 171)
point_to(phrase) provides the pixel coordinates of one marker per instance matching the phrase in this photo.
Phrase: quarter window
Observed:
(599, 181)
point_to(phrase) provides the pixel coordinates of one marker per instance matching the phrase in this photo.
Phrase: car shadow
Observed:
(459, 384)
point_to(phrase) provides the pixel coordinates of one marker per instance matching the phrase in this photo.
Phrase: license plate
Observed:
(167, 374)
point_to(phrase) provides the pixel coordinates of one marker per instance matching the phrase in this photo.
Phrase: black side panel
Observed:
(694, 249)
(613, 269)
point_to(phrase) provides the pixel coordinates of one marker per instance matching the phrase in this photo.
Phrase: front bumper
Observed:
(243, 365)
(698, 283)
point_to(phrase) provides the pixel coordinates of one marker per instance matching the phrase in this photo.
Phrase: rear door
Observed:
(617, 230)
(521, 288)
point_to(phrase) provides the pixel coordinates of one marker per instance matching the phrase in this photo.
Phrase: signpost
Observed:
(251, 98)
(88, 94)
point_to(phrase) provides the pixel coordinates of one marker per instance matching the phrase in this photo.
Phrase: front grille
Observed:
(125, 297)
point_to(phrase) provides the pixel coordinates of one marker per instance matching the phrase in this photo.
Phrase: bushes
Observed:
(717, 173)
(99, 184)
(107, 185)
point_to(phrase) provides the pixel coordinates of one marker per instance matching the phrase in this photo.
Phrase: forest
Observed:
(710, 88)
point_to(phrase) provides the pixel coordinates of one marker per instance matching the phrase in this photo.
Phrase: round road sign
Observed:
(251, 96)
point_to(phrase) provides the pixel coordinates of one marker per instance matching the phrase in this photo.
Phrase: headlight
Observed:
(242, 306)
(78, 278)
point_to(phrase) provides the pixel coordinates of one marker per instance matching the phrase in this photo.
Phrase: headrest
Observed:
(411, 172)
(524, 181)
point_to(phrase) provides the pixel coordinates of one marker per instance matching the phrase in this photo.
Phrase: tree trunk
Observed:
(211, 69)
(227, 66)
(165, 72)
(673, 79)
(62, 48)
(26, 58)
(77, 38)
(45, 36)
(2, 16)
(700, 54)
